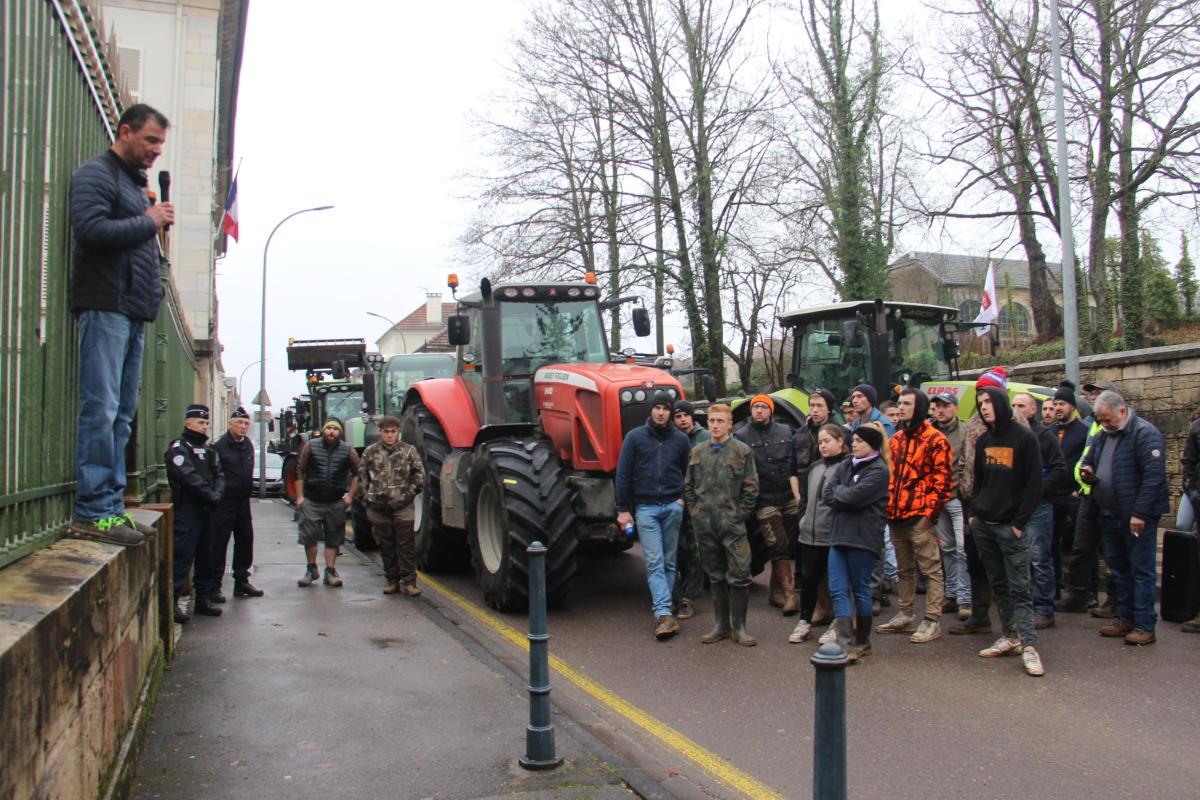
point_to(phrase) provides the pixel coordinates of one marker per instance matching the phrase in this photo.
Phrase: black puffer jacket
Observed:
(115, 254)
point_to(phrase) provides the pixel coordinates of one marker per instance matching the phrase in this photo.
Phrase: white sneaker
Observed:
(927, 632)
(800, 632)
(830, 635)
(1032, 662)
(901, 623)
(1003, 646)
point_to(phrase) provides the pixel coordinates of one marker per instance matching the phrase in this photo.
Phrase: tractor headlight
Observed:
(626, 396)
(640, 395)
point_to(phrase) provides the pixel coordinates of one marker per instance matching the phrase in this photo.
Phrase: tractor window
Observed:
(917, 349)
(342, 405)
(536, 334)
(823, 361)
(403, 371)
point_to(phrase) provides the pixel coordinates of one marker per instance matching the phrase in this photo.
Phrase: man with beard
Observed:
(776, 511)
(326, 479)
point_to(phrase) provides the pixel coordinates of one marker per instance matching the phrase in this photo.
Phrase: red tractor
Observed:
(522, 443)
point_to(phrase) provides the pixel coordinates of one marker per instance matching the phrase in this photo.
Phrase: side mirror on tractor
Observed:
(708, 385)
(338, 368)
(458, 329)
(641, 322)
(852, 333)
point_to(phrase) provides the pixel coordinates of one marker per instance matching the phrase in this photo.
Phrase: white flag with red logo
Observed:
(988, 310)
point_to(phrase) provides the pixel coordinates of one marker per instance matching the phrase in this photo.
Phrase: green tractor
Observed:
(888, 344)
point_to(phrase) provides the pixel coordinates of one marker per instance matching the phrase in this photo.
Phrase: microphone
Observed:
(164, 190)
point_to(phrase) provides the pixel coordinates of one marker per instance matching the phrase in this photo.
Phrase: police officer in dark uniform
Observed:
(194, 471)
(232, 516)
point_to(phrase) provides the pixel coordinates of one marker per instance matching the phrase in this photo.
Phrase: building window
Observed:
(131, 66)
(1014, 324)
(968, 310)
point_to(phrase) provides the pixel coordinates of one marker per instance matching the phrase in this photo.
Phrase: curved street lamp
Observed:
(262, 358)
(239, 383)
(393, 328)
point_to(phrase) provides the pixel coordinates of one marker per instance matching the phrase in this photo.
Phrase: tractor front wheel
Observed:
(518, 495)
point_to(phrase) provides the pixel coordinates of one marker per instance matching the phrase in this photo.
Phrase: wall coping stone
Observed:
(1145, 355)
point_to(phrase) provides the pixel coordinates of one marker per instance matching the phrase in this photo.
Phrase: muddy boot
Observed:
(720, 595)
(791, 600)
(775, 594)
(739, 599)
(861, 648)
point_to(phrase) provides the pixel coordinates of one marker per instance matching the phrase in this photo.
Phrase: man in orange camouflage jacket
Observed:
(922, 482)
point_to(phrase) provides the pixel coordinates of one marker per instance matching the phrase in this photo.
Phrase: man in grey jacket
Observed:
(115, 291)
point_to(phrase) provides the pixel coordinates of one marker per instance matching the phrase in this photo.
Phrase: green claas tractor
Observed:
(885, 343)
(522, 443)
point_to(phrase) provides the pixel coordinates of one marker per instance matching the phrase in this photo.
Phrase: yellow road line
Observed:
(707, 760)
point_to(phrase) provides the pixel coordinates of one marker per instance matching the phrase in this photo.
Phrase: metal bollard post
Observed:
(539, 734)
(829, 729)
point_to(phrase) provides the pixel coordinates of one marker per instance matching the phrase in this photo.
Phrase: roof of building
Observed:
(961, 270)
(415, 321)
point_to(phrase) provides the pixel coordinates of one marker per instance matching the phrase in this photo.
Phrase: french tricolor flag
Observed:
(230, 222)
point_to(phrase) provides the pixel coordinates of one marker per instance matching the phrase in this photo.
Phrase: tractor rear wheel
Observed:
(518, 495)
(438, 548)
(290, 488)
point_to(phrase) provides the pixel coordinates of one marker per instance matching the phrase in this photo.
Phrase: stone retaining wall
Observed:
(80, 644)
(1161, 383)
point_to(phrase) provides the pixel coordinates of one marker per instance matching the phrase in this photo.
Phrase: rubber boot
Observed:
(739, 599)
(791, 599)
(845, 634)
(862, 639)
(775, 595)
(720, 595)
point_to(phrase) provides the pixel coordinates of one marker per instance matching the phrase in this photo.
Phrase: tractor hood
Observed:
(587, 409)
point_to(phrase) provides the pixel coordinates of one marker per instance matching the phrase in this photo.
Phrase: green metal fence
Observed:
(58, 108)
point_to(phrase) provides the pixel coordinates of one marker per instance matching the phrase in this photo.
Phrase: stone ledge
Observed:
(1146, 355)
(79, 636)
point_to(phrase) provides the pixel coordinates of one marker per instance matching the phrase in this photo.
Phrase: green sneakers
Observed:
(144, 530)
(111, 530)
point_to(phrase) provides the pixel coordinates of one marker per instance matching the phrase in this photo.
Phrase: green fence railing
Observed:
(58, 108)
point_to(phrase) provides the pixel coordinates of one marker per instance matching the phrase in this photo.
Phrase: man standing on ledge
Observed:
(326, 477)
(115, 291)
(650, 472)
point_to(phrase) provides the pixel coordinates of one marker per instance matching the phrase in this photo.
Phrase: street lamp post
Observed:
(394, 328)
(239, 383)
(262, 358)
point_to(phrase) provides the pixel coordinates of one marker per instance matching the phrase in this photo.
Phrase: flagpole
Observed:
(1070, 307)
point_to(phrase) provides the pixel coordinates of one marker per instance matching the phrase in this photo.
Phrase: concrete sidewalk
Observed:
(332, 693)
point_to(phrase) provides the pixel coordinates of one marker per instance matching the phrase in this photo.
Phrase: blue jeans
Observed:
(110, 373)
(850, 577)
(954, 552)
(658, 531)
(1131, 560)
(1040, 533)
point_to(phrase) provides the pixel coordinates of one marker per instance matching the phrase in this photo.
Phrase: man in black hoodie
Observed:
(1040, 530)
(1007, 488)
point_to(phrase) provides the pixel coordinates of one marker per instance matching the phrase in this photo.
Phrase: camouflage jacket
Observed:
(721, 485)
(389, 479)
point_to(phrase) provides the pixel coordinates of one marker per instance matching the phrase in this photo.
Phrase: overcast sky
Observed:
(368, 111)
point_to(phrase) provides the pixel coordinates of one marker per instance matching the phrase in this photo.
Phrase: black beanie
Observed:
(684, 406)
(1066, 393)
(871, 435)
(868, 390)
(662, 399)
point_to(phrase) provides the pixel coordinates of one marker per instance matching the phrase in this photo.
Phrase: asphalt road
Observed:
(1107, 721)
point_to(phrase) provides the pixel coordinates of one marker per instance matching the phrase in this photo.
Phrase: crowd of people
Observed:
(1006, 506)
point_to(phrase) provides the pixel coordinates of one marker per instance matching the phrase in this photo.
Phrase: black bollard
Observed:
(829, 729)
(539, 734)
